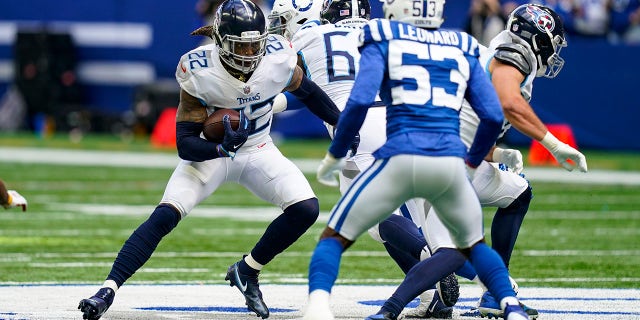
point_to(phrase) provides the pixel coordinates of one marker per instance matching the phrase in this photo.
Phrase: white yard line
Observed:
(205, 301)
(166, 160)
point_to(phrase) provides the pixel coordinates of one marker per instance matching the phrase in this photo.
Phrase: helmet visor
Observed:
(555, 62)
(278, 22)
(244, 53)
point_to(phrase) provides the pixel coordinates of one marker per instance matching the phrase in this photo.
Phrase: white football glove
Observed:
(16, 200)
(329, 169)
(512, 158)
(563, 152)
(279, 103)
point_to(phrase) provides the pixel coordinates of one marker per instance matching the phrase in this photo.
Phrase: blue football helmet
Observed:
(239, 29)
(542, 29)
(334, 11)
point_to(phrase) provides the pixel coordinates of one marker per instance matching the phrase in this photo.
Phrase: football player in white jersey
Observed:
(407, 60)
(326, 41)
(528, 48)
(244, 70)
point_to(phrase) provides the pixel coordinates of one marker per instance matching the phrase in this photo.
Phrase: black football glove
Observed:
(233, 140)
(354, 145)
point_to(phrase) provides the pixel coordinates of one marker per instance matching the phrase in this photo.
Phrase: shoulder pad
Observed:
(278, 45)
(376, 30)
(310, 24)
(515, 55)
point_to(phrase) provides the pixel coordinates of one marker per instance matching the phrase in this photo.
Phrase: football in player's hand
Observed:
(213, 129)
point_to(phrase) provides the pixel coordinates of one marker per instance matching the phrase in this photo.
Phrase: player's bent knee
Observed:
(328, 232)
(165, 216)
(525, 197)
(467, 251)
(304, 213)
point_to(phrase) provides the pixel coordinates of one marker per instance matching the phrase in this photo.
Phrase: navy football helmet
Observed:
(239, 29)
(334, 11)
(542, 29)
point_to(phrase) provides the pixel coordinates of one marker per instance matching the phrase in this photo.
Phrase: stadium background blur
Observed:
(581, 232)
(107, 66)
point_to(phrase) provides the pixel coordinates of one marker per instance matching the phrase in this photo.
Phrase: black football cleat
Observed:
(449, 290)
(94, 307)
(248, 286)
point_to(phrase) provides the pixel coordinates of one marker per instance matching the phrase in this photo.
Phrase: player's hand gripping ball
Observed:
(213, 129)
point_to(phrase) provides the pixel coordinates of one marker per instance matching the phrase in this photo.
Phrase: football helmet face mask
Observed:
(542, 29)
(240, 33)
(287, 16)
(426, 14)
(345, 11)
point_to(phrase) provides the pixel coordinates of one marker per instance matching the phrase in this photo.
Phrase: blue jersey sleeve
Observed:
(484, 100)
(363, 94)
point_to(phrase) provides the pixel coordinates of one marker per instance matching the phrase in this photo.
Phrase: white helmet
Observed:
(420, 13)
(287, 16)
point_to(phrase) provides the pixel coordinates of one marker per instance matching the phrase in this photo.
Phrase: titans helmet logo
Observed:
(542, 19)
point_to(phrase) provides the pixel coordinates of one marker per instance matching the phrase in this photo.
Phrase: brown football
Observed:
(213, 128)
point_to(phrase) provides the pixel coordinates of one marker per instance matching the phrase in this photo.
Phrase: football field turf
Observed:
(576, 235)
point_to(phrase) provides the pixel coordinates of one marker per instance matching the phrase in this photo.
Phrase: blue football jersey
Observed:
(423, 77)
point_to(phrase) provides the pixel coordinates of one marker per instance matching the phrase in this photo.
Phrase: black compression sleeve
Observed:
(190, 146)
(317, 101)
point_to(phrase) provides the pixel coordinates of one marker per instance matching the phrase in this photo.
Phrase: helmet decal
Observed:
(345, 11)
(420, 13)
(287, 16)
(542, 19)
(300, 6)
(542, 29)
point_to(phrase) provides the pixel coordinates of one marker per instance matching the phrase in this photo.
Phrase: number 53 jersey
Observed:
(428, 73)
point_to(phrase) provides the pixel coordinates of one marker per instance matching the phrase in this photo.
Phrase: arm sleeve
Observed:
(317, 101)
(363, 94)
(190, 146)
(293, 103)
(484, 100)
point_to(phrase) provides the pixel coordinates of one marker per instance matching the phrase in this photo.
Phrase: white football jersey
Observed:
(201, 73)
(468, 119)
(331, 58)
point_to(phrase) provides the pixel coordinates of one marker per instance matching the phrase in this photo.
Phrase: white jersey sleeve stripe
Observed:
(375, 31)
(465, 44)
(474, 47)
(386, 29)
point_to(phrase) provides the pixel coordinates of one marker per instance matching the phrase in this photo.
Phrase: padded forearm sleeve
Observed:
(190, 146)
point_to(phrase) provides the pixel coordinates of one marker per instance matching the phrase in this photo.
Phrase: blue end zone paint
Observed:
(472, 312)
(209, 309)
(10, 314)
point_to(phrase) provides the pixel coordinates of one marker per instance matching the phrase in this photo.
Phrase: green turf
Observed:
(597, 159)
(574, 235)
